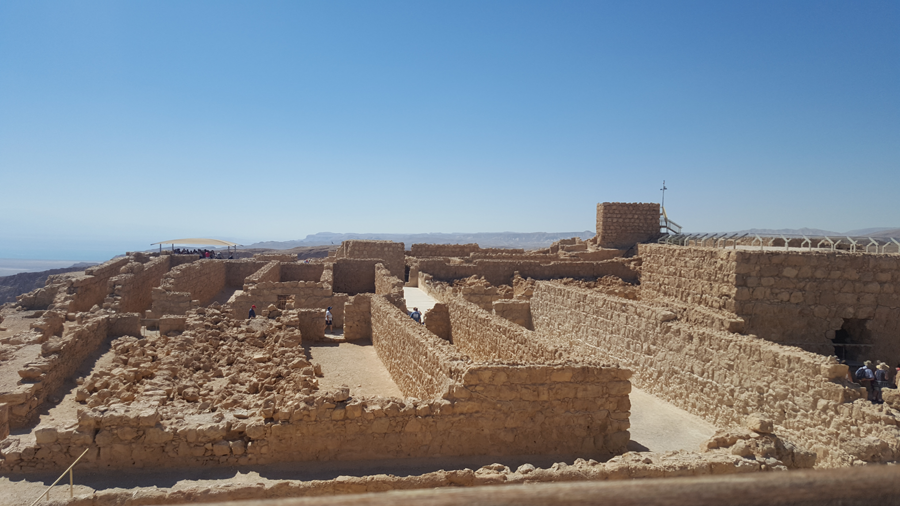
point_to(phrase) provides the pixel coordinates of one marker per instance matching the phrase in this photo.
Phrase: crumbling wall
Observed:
(389, 286)
(392, 254)
(203, 279)
(720, 376)
(354, 275)
(60, 357)
(74, 293)
(130, 291)
(305, 295)
(622, 225)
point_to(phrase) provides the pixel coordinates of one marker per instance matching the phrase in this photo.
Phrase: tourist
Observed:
(897, 376)
(416, 315)
(328, 318)
(866, 377)
(252, 313)
(881, 381)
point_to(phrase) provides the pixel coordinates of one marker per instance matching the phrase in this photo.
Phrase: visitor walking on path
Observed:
(252, 313)
(328, 319)
(416, 315)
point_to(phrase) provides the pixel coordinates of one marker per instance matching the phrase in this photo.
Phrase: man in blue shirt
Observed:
(416, 315)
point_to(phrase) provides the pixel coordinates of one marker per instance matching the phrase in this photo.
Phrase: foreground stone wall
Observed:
(720, 376)
(622, 225)
(392, 254)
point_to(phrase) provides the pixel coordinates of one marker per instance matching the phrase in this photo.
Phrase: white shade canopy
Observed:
(198, 241)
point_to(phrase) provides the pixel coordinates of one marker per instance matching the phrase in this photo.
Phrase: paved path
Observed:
(658, 426)
(415, 297)
(354, 364)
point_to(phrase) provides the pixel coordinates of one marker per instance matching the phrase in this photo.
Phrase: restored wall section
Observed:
(130, 292)
(237, 271)
(354, 275)
(392, 254)
(621, 225)
(720, 376)
(485, 336)
(296, 271)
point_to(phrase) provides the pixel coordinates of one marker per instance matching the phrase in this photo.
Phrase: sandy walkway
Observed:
(658, 426)
(354, 364)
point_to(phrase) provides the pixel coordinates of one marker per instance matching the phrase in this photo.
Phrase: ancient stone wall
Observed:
(485, 336)
(720, 376)
(357, 318)
(355, 275)
(419, 362)
(270, 273)
(442, 250)
(516, 311)
(305, 295)
(389, 286)
(237, 271)
(392, 254)
(798, 298)
(296, 271)
(622, 225)
(203, 279)
(60, 357)
(74, 293)
(130, 291)
(500, 272)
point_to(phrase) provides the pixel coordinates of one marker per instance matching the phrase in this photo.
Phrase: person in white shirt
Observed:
(328, 319)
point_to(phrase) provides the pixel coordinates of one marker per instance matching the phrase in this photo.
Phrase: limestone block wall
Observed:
(203, 279)
(698, 276)
(270, 273)
(501, 272)
(74, 293)
(357, 318)
(237, 271)
(796, 298)
(296, 271)
(60, 357)
(354, 275)
(516, 311)
(442, 250)
(305, 294)
(622, 225)
(390, 286)
(437, 321)
(392, 254)
(720, 376)
(485, 336)
(130, 291)
(421, 364)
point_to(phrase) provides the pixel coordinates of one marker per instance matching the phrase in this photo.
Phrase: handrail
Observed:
(71, 480)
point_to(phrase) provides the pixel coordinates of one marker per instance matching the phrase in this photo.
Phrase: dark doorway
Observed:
(852, 342)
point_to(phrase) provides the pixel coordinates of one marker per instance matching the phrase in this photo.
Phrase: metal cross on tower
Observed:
(664, 194)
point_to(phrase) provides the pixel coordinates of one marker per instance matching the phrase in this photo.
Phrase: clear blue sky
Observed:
(124, 123)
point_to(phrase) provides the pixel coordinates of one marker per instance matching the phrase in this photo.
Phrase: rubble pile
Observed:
(611, 285)
(217, 363)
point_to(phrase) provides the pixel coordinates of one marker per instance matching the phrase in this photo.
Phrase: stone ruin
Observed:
(524, 353)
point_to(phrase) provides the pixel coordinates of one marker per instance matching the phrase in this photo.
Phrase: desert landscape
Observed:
(636, 354)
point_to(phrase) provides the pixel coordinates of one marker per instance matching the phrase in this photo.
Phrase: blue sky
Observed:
(124, 123)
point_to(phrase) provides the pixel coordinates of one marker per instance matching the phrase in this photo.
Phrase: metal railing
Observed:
(46, 493)
(825, 243)
(667, 226)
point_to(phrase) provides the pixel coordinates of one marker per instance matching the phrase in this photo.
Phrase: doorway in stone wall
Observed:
(282, 302)
(853, 341)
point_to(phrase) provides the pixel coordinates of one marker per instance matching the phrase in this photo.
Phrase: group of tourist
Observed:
(875, 378)
(203, 253)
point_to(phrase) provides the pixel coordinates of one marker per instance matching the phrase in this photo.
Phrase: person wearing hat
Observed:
(881, 381)
(252, 313)
(866, 377)
(328, 318)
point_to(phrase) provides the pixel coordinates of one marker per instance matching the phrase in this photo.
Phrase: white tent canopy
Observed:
(197, 242)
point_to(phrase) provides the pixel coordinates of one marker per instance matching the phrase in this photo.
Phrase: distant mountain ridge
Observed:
(525, 240)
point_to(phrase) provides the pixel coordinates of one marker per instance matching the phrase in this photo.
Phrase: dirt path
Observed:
(658, 426)
(354, 364)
